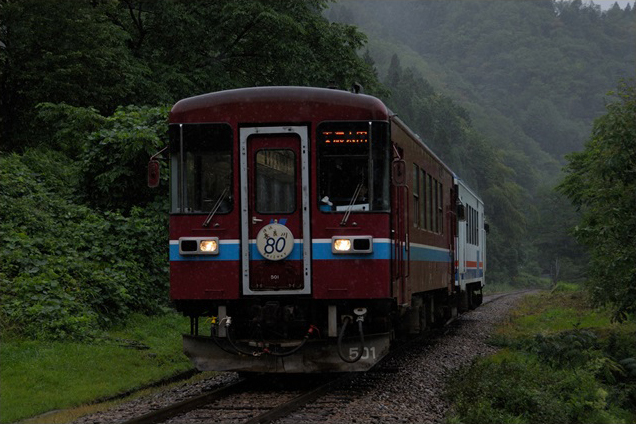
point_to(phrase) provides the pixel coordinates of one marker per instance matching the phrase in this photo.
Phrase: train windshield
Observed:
(353, 166)
(200, 168)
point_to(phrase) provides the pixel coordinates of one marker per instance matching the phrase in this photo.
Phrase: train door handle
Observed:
(255, 220)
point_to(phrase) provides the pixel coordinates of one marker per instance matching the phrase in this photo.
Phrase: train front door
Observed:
(275, 233)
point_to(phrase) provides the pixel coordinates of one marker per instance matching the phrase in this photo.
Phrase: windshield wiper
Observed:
(216, 207)
(356, 193)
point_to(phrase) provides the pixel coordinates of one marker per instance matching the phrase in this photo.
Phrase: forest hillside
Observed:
(537, 70)
(529, 78)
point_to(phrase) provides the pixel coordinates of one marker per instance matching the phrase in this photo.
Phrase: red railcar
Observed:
(309, 226)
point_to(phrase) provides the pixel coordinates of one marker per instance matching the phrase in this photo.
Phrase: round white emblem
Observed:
(275, 242)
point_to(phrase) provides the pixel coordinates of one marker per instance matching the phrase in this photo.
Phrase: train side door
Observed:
(461, 247)
(275, 234)
(400, 228)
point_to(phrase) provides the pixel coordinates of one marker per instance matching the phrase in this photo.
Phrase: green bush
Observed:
(525, 280)
(67, 270)
(562, 287)
(115, 158)
(516, 387)
(560, 362)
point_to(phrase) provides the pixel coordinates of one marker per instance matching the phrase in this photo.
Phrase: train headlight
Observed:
(199, 246)
(209, 246)
(342, 245)
(351, 244)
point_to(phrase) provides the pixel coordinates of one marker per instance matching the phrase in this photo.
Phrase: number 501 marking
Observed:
(366, 353)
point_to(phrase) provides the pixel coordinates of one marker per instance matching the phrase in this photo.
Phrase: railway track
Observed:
(250, 400)
(493, 297)
(285, 398)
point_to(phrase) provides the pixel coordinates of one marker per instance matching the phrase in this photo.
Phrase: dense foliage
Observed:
(83, 241)
(601, 180)
(108, 53)
(543, 66)
(67, 268)
(578, 368)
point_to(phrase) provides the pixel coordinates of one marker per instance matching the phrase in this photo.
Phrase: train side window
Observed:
(201, 168)
(440, 209)
(469, 224)
(429, 202)
(416, 196)
(422, 217)
(353, 166)
(434, 208)
(477, 228)
(472, 225)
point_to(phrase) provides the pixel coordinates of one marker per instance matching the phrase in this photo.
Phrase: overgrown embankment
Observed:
(560, 362)
(75, 260)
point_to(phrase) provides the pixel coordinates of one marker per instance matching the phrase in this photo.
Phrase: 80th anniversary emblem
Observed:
(275, 242)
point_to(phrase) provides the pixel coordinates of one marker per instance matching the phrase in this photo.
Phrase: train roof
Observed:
(397, 121)
(460, 182)
(265, 104)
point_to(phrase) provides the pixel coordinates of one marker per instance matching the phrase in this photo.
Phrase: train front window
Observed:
(200, 168)
(275, 181)
(353, 166)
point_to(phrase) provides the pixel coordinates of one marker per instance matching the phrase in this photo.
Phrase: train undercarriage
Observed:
(282, 335)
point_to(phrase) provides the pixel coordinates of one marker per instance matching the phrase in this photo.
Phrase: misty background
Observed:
(520, 84)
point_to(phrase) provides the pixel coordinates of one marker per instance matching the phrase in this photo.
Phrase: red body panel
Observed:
(331, 279)
(204, 280)
(352, 279)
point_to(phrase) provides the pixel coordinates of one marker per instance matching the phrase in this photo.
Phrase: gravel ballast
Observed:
(411, 392)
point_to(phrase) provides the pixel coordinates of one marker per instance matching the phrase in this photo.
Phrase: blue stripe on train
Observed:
(320, 251)
(422, 253)
(227, 252)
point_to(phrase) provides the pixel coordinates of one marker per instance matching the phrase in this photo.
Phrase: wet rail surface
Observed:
(250, 400)
(295, 398)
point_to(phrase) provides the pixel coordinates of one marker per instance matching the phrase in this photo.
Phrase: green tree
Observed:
(62, 51)
(65, 269)
(193, 47)
(601, 181)
(558, 254)
(110, 53)
(115, 157)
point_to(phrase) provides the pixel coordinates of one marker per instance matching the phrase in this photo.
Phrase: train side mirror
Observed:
(461, 212)
(487, 228)
(399, 172)
(153, 173)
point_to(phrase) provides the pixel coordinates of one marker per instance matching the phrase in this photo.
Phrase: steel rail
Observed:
(492, 297)
(187, 405)
(298, 402)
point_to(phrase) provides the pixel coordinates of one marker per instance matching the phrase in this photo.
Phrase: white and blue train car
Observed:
(470, 252)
